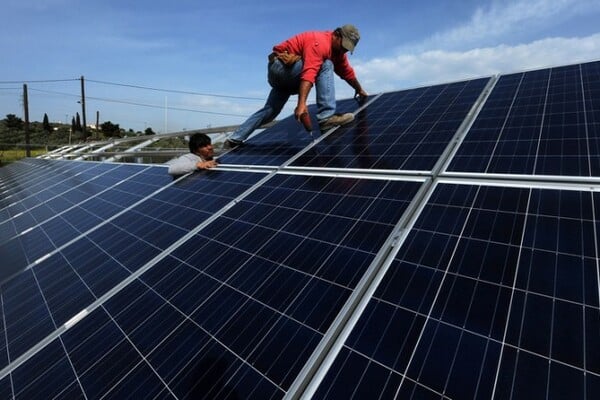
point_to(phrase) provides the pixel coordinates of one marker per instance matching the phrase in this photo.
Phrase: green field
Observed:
(8, 156)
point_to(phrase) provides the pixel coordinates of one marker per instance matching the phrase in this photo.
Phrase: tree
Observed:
(46, 124)
(78, 127)
(13, 122)
(109, 129)
(149, 131)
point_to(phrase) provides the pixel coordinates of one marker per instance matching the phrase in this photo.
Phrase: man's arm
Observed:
(188, 163)
(303, 92)
(358, 90)
(206, 164)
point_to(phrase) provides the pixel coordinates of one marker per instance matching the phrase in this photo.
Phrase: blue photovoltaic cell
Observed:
(55, 199)
(5, 388)
(406, 130)
(56, 381)
(38, 300)
(277, 144)
(544, 122)
(236, 310)
(21, 182)
(89, 204)
(489, 297)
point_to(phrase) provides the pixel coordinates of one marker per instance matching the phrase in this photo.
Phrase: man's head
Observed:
(201, 145)
(349, 37)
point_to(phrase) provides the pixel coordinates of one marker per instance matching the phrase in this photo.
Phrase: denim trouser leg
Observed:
(284, 82)
(270, 110)
(325, 91)
(285, 78)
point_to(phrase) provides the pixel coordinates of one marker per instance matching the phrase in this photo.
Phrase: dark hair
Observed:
(198, 140)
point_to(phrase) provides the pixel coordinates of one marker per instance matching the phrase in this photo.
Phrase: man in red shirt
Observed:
(295, 65)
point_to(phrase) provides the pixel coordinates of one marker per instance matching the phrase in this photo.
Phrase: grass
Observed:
(12, 155)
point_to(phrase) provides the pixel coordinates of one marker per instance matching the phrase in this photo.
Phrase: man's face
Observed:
(336, 45)
(206, 152)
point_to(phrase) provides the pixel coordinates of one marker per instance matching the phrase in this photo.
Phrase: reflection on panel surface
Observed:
(406, 130)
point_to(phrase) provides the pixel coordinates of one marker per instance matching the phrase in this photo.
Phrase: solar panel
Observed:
(353, 264)
(40, 176)
(406, 130)
(466, 308)
(542, 122)
(279, 143)
(72, 276)
(253, 264)
(87, 201)
(53, 199)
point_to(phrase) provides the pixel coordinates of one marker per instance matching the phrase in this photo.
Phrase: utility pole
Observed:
(97, 124)
(83, 107)
(26, 112)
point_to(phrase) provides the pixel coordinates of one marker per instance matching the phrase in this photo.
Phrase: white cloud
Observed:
(485, 45)
(501, 19)
(438, 66)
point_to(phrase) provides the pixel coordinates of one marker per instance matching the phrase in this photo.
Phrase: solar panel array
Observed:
(444, 245)
(538, 123)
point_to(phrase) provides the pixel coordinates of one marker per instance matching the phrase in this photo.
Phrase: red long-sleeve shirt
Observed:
(315, 48)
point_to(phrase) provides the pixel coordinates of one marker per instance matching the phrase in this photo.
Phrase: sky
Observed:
(180, 65)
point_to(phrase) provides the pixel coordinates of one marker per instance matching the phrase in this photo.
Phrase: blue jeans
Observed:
(285, 81)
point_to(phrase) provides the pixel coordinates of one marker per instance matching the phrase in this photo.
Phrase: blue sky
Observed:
(190, 48)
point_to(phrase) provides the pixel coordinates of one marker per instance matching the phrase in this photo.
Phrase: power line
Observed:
(38, 81)
(174, 91)
(133, 103)
(139, 104)
(135, 87)
(53, 92)
(163, 107)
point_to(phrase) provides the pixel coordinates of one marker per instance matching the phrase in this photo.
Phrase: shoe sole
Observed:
(326, 127)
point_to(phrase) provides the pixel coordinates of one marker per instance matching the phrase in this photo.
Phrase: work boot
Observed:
(231, 144)
(335, 120)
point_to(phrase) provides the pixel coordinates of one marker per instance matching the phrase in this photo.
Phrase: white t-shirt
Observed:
(184, 164)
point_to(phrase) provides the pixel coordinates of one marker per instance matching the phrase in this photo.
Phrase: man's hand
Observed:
(288, 59)
(361, 96)
(359, 93)
(206, 164)
(362, 93)
(298, 111)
